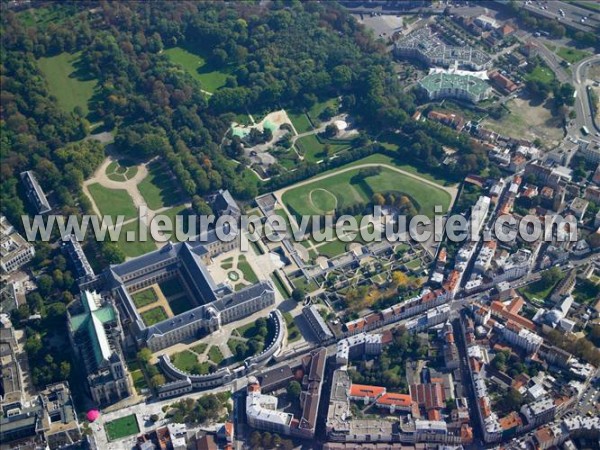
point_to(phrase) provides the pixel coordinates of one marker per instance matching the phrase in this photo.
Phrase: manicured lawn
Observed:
(300, 121)
(227, 263)
(179, 217)
(392, 144)
(121, 170)
(122, 427)
(245, 268)
(279, 285)
(184, 360)
(170, 287)
(180, 305)
(415, 264)
(572, 55)
(135, 247)
(68, 81)
(292, 328)
(139, 382)
(538, 289)
(247, 331)
(543, 74)
(351, 188)
(145, 297)
(210, 77)
(200, 348)
(158, 188)
(154, 315)
(333, 248)
(323, 200)
(215, 355)
(306, 286)
(314, 150)
(112, 202)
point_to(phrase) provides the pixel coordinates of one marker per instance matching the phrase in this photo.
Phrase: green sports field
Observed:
(122, 427)
(209, 77)
(349, 187)
(68, 81)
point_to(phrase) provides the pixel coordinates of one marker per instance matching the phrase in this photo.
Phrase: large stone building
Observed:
(35, 193)
(463, 86)
(14, 250)
(213, 305)
(96, 337)
(426, 47)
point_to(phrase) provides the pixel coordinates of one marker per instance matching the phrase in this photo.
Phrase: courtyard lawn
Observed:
(139, 381)
(350, 188)
(68, 81)
(145, 297)
(279, 285)
(292, 328)
(154, 315)
(215, 355)
(185, 360)
(135, 247)
(199, 348)
(572, 55)
(112, 202)
(245, 268)
(300, 121)
(306, 286)
(247, 331)
(122, 427)
(210, 77)
(227, 263)
(415, 264)
(159, 188)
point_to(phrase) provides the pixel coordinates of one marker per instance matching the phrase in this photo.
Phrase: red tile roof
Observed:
(363, 390)
(402, 400)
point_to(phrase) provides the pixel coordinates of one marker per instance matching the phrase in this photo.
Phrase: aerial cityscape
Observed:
(290, 224)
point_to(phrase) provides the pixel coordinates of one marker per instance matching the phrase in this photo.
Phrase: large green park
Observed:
(348, 186)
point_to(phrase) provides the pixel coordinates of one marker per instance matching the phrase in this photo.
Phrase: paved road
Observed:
(582, 104)
(572, 17)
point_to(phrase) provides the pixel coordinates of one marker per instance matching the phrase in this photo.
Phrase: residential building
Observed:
(262, 413)
(579, 206)
(425, 46)
(316, 322)
(35, 193)
(14, 250)
(590, 150)
(48, 421)
(455, 85)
